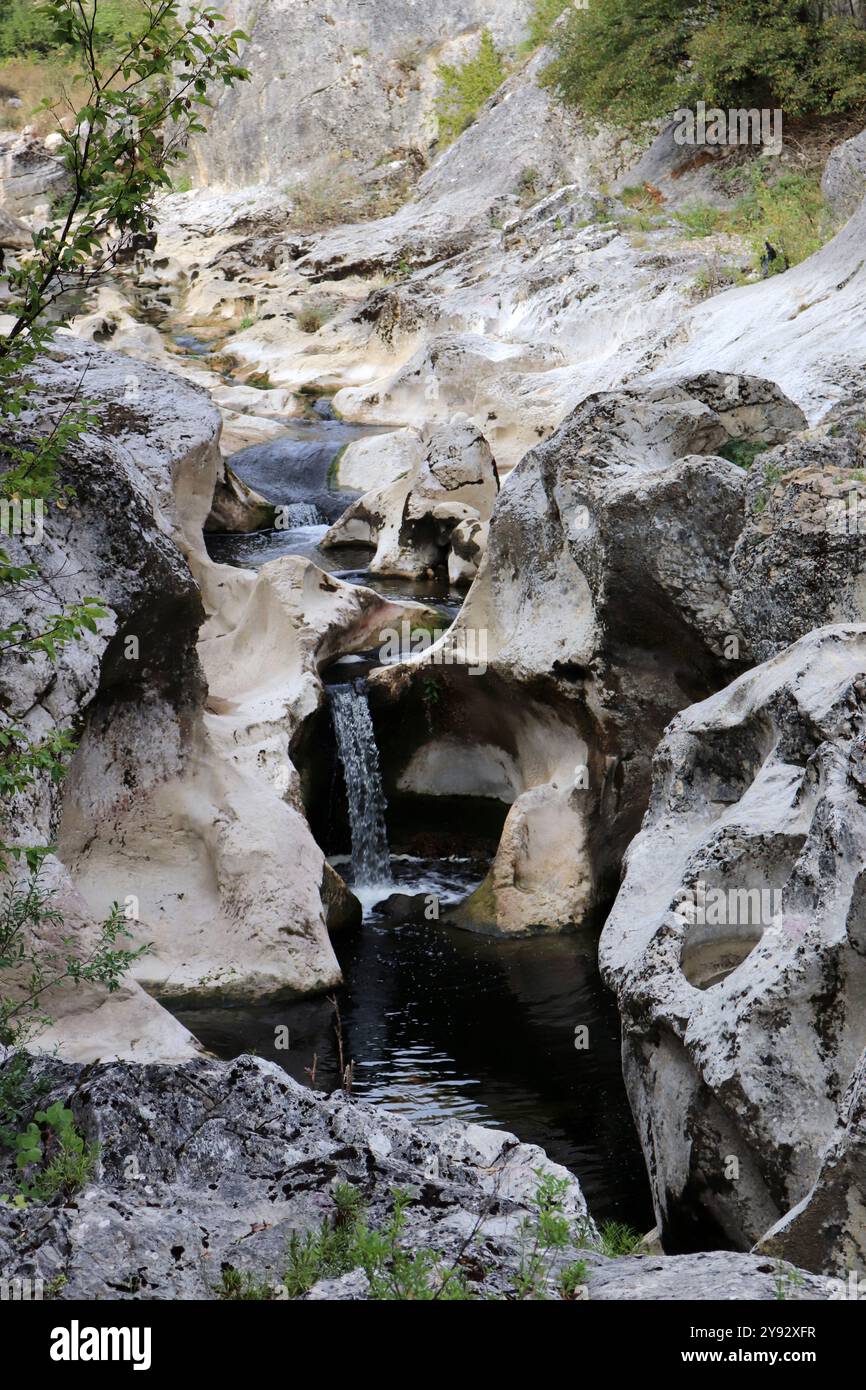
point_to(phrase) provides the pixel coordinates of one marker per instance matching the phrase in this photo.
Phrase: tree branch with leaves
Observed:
(142, 97)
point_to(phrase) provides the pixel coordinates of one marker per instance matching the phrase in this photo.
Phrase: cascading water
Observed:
(356, 745)
(293, 514)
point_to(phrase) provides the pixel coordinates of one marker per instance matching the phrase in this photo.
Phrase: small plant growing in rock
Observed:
(786, 1280)
(311, 317)
(236, 1286)
(743, 452)
(542, 1235)
(52, 1157)
(466, 87)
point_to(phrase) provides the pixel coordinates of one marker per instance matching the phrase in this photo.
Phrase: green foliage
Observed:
(786, 1280)
(788, 211)
(397, 1272)
(311, 317)
(571, 1278)
(28, 27)
(617, 1239)
(742, 452)
(238, 1287)
(701, 220)
(542, 1235)
(466, 87)
(52, 1158)
(25, 27)
(544, 15)
(19, 1094)
(27, 915)
(635, 60)
(333, 1249)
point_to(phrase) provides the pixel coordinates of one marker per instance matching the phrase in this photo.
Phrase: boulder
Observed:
(29, 175)
(237, 507)
(736, 948)
(827, 1230)
(205, 1173)
(601, 608)
(372, 463)
(451, 485)
(214, 1166)
(14, 234)
(800, 561)
(844, 181)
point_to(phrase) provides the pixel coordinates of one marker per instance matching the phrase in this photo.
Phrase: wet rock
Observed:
(237, 507)
(343, 912)
(402, 907)
(451, 485)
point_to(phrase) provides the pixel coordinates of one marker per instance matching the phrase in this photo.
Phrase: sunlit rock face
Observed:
(349, 84)
(736, 950)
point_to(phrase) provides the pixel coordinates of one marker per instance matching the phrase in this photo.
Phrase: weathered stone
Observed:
(800, 561)
(735, 945)
(602, 606)
(453, 483)
(844, 180)
(827, 1230)
(213, 1167)
(362, 81)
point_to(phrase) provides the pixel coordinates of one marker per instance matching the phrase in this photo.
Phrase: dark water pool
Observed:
(443, 1023)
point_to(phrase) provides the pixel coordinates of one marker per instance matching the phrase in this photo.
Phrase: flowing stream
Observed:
(439, 1023)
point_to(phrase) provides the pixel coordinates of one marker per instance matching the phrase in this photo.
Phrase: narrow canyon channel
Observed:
(439, 1022)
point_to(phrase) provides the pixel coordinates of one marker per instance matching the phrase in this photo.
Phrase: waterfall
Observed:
(356, 745)
(291, 515)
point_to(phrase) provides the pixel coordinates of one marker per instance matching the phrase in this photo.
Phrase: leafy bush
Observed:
(631, 61)
(742, 452)
(465, 89)
(787, 211)
(32, 29)
(544, 15)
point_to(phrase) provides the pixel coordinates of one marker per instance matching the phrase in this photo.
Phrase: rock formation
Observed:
(211, 1168)
(358, 83)
(602, 606)
(435, 514)
(735, 945)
